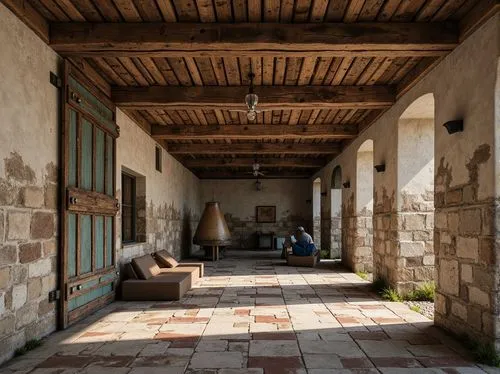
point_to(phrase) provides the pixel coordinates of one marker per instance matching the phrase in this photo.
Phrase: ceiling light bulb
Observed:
(251, 100)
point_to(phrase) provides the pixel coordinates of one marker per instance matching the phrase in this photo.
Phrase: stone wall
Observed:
(28, 185)
(288, 195)
(171, 197)
(465, 235)
(465, 177)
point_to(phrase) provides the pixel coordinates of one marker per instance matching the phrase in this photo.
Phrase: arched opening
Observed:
(317, 212)
(415, 195)
(336, 214)
(363, 243)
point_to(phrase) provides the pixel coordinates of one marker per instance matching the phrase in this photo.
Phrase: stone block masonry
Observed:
(465, 253)
(28, 264)
(357, 238)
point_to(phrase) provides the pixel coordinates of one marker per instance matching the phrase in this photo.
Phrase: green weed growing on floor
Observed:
(425, 292)
(29, 346)
(324, 254)
(362, 275)
(390, 294)
(416, 308)
(483, 353)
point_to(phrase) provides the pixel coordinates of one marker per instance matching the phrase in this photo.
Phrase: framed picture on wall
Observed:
(266, 214)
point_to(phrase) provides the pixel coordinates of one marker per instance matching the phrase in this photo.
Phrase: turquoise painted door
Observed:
(89, 133)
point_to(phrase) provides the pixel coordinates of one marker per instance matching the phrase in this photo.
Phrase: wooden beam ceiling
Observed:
(271, 97)
(247, 175)
(254, 148)
(253, 132)
(289, 162)
(254, 39)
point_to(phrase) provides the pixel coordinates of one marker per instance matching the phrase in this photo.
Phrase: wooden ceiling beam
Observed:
(253, 148)
(253, 132)
(271, 97)
(244, 175)
(30, 16)
(253, 39)
(289, 162)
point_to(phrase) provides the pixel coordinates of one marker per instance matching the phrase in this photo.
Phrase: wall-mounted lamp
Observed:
(308, 201)
(347, 184)
(454, 126)
(323, 194)
(380, 168)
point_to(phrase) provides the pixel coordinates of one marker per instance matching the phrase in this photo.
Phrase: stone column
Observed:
(358, 233)
(465, 232)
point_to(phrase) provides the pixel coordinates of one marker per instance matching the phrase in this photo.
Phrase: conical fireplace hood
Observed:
(212, 229)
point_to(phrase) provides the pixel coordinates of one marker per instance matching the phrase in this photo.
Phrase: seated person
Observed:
(302, 243)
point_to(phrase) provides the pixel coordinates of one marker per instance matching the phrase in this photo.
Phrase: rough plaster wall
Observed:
(364, 191)
(172, 196)
(464, 87)
(239, 198)
(28, 185)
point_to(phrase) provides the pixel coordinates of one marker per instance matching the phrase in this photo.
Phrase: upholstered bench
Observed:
(148, 281)
(307, 261)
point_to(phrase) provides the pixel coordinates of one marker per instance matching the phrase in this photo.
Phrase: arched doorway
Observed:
(336, 214)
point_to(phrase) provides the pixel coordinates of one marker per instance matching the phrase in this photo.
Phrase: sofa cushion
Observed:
(130, 272)
(165, 259)
(145, 267)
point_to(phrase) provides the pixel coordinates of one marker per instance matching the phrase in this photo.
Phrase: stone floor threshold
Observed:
(255, 316)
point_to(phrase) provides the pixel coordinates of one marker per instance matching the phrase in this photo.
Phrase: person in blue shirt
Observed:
(303, 244)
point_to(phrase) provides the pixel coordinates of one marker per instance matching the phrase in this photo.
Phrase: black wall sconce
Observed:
(380, 168)
(323, 194)
(454, 126)
(347, 184)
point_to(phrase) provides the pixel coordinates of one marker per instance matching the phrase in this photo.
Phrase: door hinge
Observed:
(55, 80)
(54, 295)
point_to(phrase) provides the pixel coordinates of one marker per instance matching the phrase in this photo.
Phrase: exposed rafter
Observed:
(253, 132)
(288, 162)
(244, 175)
(253, 39)
(271, 97)
(254, 148)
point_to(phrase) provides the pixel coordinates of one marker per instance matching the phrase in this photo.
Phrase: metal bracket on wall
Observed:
(54, 295)
(55, 80)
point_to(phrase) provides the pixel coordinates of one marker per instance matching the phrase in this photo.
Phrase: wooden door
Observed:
(89, 207)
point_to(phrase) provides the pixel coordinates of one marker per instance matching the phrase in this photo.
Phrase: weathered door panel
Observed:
(89, 208)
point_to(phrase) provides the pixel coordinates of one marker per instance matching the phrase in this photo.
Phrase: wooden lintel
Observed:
(30, 16)
(270, 97)
(288, 162)
(253, 148)
(253, 39)
(253, 132)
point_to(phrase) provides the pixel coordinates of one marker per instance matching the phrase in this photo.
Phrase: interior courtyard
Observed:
(156, 156)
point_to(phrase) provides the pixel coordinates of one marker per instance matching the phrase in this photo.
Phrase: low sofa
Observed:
(307, 261)
(159, 277)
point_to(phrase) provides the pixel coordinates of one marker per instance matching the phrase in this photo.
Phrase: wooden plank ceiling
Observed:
(321, 81)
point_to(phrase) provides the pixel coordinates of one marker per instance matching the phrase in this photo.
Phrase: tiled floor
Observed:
(254, 316)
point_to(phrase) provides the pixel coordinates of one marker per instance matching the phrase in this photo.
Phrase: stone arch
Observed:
(316, 201)
(336, 213)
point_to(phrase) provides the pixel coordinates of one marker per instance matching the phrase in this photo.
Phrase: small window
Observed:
(158, 158)
(128, 208)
